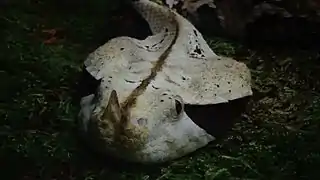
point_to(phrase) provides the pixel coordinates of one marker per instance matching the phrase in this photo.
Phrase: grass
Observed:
(277, 138)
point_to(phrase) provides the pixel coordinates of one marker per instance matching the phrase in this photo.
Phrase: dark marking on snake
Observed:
(154, 87)
(130, 81)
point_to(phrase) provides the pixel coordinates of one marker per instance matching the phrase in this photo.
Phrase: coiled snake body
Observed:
(138, 113)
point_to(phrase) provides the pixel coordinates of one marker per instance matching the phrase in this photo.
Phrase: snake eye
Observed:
(178, 107)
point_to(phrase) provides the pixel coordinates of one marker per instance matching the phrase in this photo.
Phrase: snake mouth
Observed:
(217, 119)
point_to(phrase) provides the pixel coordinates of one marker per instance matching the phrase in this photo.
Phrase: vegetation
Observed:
(277, 138)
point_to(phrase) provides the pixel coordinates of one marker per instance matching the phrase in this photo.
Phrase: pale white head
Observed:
(138, 112)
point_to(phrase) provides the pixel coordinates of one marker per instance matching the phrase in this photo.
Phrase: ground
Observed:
(277, 138)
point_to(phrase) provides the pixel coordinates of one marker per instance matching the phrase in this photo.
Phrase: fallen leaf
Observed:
(50, 40)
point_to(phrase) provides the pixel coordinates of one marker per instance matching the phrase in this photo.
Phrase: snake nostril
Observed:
(178, 107)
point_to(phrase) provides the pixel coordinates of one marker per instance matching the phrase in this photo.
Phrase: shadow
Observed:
(268, 30)
(276, 31)
(217, 119)
(124, 21)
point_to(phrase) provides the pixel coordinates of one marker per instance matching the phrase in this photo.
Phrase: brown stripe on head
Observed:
(119, 114)
(131, 99)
